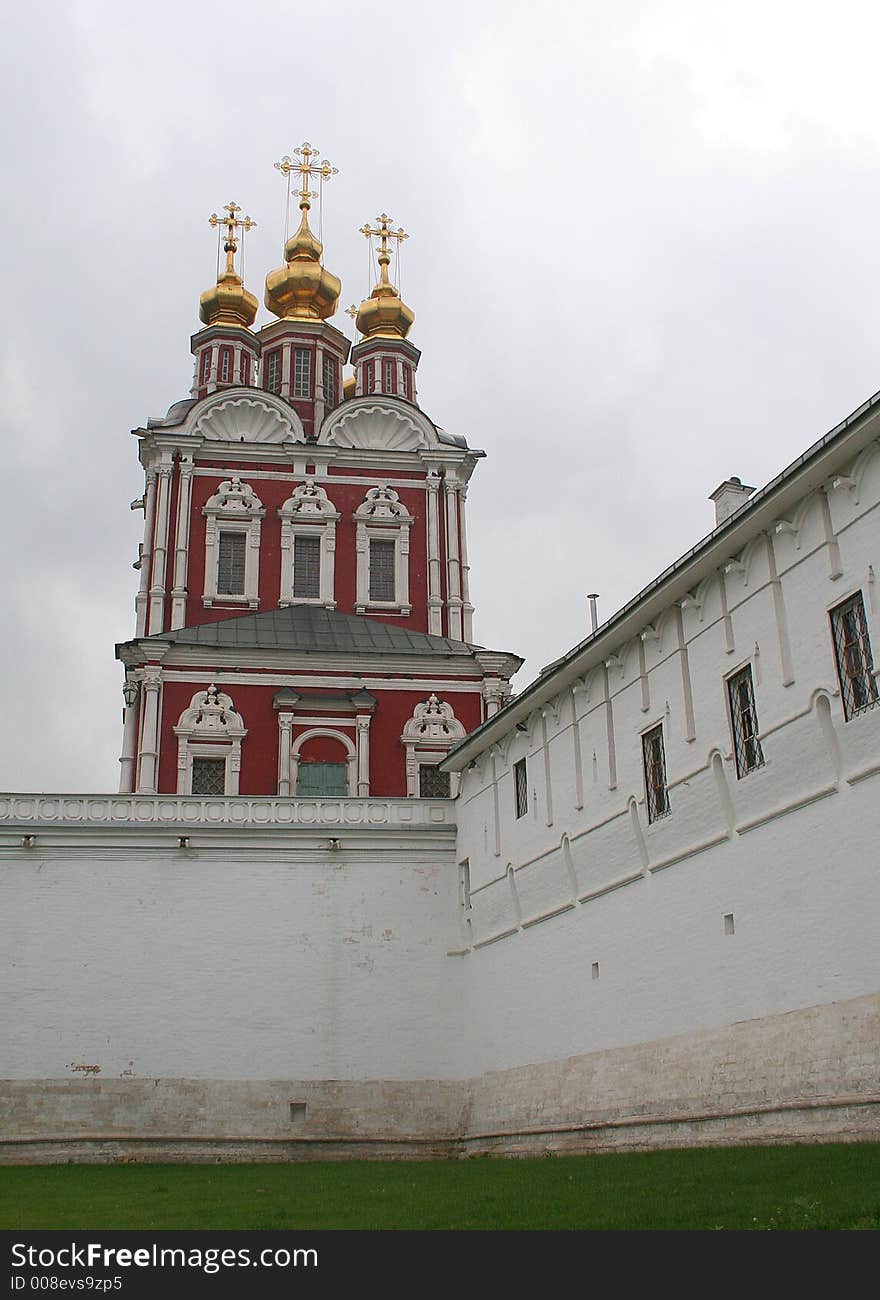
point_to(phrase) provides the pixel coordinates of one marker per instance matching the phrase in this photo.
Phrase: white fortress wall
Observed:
(789, 852)
(254, 953)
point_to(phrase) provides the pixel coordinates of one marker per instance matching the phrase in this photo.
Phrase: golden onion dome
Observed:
(228, 302)
(302, 289)
(384, 314)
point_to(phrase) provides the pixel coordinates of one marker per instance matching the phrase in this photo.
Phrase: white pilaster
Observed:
(142, 599)
(181, 543)
(435, 600)
(453, 565)
(285, 725)
(129, 746)
(160, 551)
(467, 607)
(148, 762)
(363, 755)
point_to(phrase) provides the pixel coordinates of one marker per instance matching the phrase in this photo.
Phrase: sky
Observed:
(643, 258)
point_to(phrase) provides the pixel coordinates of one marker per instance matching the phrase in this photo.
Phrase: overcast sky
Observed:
(644, 257)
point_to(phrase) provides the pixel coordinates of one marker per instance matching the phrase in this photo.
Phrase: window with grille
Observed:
(388, 379)
(382, 557)
(245, 369)
(407, 383)
(368, 376)
(433, 784)
(306, 567)
(654, 758)
(521, 788)
(329, 382)
(225, 365)
(744, 720)
(273, 372)
(302, 372)
(209, 776)
(205, 366)
(230, 564)
(852, 649)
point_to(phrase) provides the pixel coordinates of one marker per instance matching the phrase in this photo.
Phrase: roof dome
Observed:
(384, 314)
(228, 302)
(302, 289)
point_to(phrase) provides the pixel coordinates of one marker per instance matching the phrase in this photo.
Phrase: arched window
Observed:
(209, 735)
(323, 765)
(428, 737)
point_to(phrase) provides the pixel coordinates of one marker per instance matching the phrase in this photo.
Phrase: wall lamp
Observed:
(130, 690)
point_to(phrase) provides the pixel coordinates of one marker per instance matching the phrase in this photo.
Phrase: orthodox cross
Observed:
(232, 222)
(383, 233)
(305, 162)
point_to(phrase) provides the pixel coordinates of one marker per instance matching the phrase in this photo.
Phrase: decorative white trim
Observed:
(427, 738)
(209, 728)
(377, 426)
(306, 512)
(382, 516)
(247, 418)
(234, 507)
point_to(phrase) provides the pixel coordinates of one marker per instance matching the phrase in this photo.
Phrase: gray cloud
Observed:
(643, 258)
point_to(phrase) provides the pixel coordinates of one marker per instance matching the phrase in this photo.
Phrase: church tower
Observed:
(303, 622)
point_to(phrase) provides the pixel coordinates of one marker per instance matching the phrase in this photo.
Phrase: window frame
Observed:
(273, 372)
(739, 740)
(520, 773)
(330, 371)
(657, 808)
(389, 548)
(851, 709)
(229, 531)
(308, 512)
(303, 390)
(312, 536)
(382, 516)
(234, 507)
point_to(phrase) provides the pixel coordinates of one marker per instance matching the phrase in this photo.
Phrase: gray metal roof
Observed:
(311, 629)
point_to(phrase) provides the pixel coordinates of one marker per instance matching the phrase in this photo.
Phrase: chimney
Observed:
(728, 498)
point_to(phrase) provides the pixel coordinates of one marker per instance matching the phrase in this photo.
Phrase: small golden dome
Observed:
(302, 289)
(349, 384)
(384, 314)
(229, 302)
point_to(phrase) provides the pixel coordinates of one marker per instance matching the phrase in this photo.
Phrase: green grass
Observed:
(831, 1187)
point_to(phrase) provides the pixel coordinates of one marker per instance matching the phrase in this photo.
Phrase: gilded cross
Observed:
(305, 162)
(232, 222)
(383, 233)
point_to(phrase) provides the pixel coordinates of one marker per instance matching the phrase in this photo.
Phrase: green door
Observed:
(322, 780)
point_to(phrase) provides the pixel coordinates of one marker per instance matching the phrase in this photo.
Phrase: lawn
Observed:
(833, 1186)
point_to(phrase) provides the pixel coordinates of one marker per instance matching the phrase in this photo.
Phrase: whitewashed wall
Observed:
(257, 952)
(790, 851)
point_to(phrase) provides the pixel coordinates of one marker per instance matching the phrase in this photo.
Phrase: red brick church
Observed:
(304, 624)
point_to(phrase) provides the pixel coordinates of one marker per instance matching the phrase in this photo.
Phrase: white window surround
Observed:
(308, 513)
(427, 738)
(382, 516)
(209, 728)
(234, 507)
(350, 755)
